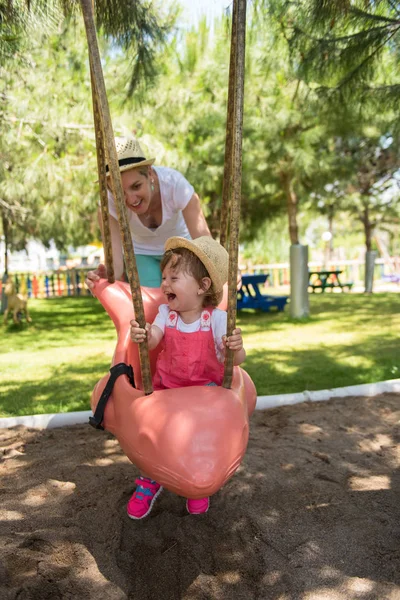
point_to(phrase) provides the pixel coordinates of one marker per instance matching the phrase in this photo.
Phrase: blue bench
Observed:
(250, 296)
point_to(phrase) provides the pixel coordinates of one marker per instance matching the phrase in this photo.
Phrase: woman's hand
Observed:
(138, 334)
(93, 277)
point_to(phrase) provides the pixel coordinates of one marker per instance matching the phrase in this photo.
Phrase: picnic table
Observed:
(249, 295)
(329, 279)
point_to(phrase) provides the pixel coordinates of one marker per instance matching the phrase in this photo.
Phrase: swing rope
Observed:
(231, 196)
(101, 162)
(230, 118)
(233, 167)
(106, 135)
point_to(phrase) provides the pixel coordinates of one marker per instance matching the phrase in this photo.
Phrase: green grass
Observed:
(52, 364)
(349, 339)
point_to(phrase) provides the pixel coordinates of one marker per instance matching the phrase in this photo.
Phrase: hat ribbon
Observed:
(127, 161)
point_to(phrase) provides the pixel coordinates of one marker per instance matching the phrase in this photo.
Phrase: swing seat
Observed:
(192, 439)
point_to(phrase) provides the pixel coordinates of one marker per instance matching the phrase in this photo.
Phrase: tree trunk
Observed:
(368, 228)
(292, 203)
(331, 212)
(6, 242)
(3, 299)
(214, 216)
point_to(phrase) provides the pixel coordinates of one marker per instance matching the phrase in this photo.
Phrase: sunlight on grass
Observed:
(347, 340)
(53, 364)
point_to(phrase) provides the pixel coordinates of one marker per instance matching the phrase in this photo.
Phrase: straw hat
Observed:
(130, 154)
(213, 256)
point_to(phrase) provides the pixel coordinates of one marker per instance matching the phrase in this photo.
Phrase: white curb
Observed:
(48, 421)
(75, 418)
(366, 389)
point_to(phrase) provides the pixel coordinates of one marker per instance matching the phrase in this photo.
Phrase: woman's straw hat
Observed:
(213, 256)
(130, 154)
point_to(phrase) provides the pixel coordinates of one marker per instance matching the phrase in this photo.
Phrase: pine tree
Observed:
(136, 26)
(351, 48)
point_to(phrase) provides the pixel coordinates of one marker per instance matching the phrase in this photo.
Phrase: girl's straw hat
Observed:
(213, 256)
(130, 154)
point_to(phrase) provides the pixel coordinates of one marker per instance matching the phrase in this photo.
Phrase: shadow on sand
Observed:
(312, 514)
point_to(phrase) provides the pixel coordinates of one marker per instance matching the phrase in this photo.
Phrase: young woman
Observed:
(161, 203)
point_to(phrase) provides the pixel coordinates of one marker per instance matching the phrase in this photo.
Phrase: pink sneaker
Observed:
(197, 507)
(141, 503)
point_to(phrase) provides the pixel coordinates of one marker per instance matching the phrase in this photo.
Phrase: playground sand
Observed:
(312, 514)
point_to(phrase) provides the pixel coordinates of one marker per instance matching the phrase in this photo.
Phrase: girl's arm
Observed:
(152, 332)
(235, 343)
(194, 218)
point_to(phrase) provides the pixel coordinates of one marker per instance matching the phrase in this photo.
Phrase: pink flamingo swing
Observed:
(190, 440)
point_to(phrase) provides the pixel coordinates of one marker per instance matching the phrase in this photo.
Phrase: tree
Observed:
(47, 147)
(136, 26)
(350, 48)
(373, 183)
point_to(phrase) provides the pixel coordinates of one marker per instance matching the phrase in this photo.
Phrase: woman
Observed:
(161, 204)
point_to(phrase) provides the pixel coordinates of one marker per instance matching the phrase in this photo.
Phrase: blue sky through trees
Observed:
(195, 9)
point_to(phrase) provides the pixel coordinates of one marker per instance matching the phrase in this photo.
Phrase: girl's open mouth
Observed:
(171, 297)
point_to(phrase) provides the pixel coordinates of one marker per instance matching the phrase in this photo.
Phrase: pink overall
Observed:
(188, 358)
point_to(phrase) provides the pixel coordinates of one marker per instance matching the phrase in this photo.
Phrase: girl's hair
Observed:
(182, 259)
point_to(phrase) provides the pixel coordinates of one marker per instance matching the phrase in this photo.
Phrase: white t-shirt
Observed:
(218, 326)
(175, 193)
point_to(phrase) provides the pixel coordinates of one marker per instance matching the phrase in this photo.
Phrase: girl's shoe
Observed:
(141, 503)
(197, 507)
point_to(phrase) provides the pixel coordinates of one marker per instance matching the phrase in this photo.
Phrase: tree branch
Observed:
(366, 59)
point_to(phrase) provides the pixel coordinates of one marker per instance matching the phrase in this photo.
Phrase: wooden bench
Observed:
(348, 284)
(315, 286)
(322, 280)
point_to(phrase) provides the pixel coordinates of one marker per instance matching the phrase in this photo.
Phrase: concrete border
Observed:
(51, 421)
(366, 389)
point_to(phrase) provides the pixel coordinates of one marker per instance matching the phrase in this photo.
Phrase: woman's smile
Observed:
(134, 205)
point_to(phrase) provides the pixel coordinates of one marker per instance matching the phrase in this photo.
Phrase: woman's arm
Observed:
(195, 219)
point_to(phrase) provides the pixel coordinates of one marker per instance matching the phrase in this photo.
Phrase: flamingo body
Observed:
(192, 439)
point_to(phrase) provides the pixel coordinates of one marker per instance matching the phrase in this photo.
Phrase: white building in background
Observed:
(37, 258)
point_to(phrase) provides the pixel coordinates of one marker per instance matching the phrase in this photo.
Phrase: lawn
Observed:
(52, 364)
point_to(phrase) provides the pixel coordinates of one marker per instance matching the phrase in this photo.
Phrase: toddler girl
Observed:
(193, 331)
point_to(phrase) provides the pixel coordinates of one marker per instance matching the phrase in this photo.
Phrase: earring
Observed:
(152, 185)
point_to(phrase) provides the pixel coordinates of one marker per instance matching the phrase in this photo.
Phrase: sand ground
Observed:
(312, 514)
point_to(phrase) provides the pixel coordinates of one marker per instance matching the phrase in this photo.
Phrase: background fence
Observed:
(48, 285)
(71, 282)
(353, 270)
